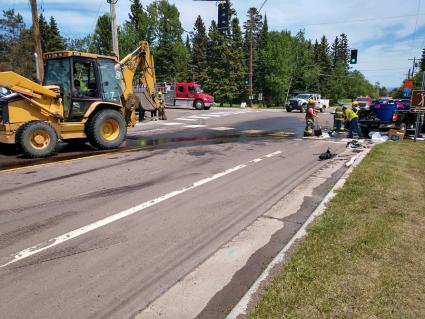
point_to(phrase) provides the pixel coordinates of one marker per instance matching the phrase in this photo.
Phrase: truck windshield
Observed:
(112, 80)
(303, 96)
(199, 89)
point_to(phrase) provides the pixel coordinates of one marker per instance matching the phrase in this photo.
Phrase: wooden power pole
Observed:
(37, 41)
(115, 48)
(251, 40)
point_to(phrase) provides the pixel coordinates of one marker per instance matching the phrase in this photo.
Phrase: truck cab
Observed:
(187, 94)
(300, 102)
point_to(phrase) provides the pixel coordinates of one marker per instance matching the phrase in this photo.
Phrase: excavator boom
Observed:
(141, 60)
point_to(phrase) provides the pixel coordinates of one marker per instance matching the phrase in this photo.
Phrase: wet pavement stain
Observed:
(12, 159)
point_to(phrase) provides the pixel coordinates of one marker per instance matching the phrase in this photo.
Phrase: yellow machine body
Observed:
(31, 101)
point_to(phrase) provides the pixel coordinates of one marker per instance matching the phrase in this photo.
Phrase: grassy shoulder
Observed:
(364, 258)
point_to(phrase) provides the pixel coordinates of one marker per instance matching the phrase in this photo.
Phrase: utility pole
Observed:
(251, 40)
(37, 41)
(414, 66)
(114, 27)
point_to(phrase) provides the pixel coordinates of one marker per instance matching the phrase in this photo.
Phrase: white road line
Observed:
(186, 119)
(153, 130)
(198, 117)
(273, 154)
(256, 160)
(222, 128)
(194, 126)
(113, 218)
(171, 123)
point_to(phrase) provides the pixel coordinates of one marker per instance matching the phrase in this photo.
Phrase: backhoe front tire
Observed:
(36, 139)
(106, 129)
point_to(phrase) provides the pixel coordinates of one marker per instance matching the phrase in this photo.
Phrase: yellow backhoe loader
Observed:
(84, 97)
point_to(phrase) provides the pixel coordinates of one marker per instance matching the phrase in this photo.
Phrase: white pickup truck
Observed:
(300, 102)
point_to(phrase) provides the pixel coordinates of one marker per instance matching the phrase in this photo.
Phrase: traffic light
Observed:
(353, 58)
(246, 82)
(223, 16)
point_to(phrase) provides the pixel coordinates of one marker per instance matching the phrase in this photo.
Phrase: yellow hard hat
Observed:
(311, 101)
(355, 103)
(159, 93)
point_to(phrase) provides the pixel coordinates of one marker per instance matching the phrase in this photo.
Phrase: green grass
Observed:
(365, 257)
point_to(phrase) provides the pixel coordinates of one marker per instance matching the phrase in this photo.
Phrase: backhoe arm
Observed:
(141, 59)
(47, 101)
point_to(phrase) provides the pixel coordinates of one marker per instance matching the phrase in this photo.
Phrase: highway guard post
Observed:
(418, 106)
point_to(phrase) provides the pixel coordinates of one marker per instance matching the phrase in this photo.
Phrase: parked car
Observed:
(4, 92)
(364, 102)
(300, 102)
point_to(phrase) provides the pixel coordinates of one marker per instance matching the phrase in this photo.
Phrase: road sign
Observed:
(407, 92)
(418, 101)
(408, 84)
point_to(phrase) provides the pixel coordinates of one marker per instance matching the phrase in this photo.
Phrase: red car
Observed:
(187, 94)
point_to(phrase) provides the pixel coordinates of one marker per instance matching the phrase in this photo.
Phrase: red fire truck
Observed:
(186, 94)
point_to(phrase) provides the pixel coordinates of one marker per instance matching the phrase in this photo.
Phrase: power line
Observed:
(416, 23)
(357, 20)
(261, 7)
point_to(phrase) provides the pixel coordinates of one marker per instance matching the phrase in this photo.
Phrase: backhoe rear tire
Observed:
(106, 129)
(36, 139)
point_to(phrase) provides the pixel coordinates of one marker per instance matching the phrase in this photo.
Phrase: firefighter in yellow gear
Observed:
(338, 119)
(310, 116)
(355, 106)
(351, 122)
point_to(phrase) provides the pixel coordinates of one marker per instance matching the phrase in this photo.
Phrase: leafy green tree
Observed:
(278, 72)
(102, 38)
(16, 44)
(139, 27)
(171, 55)
(78, 44)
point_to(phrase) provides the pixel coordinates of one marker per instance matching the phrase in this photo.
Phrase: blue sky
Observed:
(386, 32)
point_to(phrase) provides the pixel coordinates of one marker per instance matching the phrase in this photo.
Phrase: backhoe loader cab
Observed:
(83, 79)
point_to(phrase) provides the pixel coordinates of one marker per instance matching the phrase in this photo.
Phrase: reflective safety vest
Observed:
(350, 115)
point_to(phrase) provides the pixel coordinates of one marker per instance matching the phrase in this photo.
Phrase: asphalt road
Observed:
(87, 234)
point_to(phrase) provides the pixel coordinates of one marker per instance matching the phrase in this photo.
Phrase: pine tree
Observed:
(236, 66)
(56, 42)
(199, 52)
(253, 32)
(44, 32)
(261, 65)
(334, 51)
(343, 51)
(217, 82)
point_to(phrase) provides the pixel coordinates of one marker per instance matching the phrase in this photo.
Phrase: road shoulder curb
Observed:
(243, 306)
